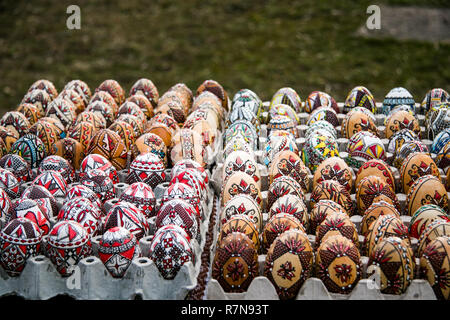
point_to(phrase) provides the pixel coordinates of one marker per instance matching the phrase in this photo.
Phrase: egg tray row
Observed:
(40, 280)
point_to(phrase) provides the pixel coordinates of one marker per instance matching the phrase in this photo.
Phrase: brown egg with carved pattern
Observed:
(276, 225)
(125, 131)
(71, 150)
(282, 186)
(338, 264)
(334, 168)
(291, 204)
(235, 263)
(336, 223)
(289, 163)
(427, 189)
(150, 142)
(187, 144)
(320, 211)
(358, 120)
(376, 209)
(289, 262)
(332, 190)
(372, 189)
(243, 224)
(376, 167)
(393, 260)
(385, 226)
(416, 165)
(436, 228)
(399, 120)
(83, 132)
(435, 265)
(109, 144)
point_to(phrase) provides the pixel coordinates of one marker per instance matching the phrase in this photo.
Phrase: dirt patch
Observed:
(411, 23)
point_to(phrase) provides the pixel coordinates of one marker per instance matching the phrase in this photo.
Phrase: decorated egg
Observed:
(338, 264)
(235, 144)
(416, 165)
(185, 192)
(323, 113)
(143, 103)
(243, 224)
(83, 211)
(358, 119)
(321, 127)
(284, 110)
(7, 139)
(75, 98)
(397, 96)
(30, 148)
(376, 209)
(79, 190)
(282, 122)
(443, 157)
(18, 166)
(235, 263)
(20, 239)
(97, 161)
(146, 88)
(9, 183)
(242, 204)
(427, 189)
(423, 217)
(433, 97)
(317, 99)
(81, 88)
(187, 144)
(318, 148)
(46, 85)
(181, 213)
(39, 98)
(53, 182)
(114, 89)
(15, 122)
(172, 106)
(399, 121)
(70, 149)
(184, 93)
(282, 186)
(247, 95)
(277, 142)
(63, 110)
(336, 223)
(99, 182)
(141, 195)
(406, 149)
(435, 229)
(184, 164)
(373, 189)
(384, 227)
(83, 132)
(150, 142)
(435, 264)
(439, 120)
(276, 225)
(127, 215)
(147, 168)
(332, 190)
(217, 89)
(102, 109)
(399, 138)
(44, 198)
(360, 97)
(68, 243)
(5, 204)
(291, 204)
(193, 178)
(440, 141)
(364, 146)
(244, 129)
(289, 262)
(334, 168)
(46, 132)
(170, 250)
(287, 96)
(392, 259)
(241, 161)
(60, 165)
(241, 183)
(289, 163)
(96, 119)
(109, 144)
(118, 247)
(30, 111)
(162, 130)
(27, 208)
(320, 211)
(125, 131)
(132, 108)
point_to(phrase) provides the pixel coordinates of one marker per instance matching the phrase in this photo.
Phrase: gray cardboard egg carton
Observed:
(313, 288)
(91, 280)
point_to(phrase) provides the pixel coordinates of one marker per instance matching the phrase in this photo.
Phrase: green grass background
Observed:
(258, 44)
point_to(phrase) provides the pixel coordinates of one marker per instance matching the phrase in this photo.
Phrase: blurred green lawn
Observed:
(262, 45)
